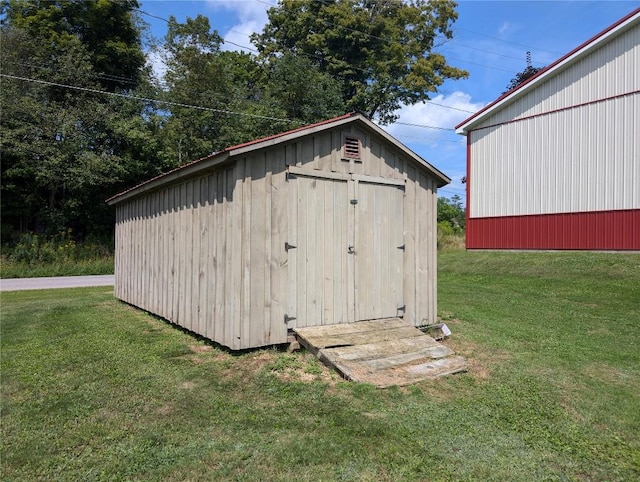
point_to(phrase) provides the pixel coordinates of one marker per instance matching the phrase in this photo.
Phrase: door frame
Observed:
(353, 181)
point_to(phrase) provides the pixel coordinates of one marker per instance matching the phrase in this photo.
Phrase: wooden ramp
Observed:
(382, 352)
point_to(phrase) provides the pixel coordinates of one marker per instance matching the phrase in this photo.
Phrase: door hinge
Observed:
(402, 308)
(401, 247)
(288, 318)
(288, 246)
(354, 201)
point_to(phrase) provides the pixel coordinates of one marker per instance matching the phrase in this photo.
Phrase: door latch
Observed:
(351, 250)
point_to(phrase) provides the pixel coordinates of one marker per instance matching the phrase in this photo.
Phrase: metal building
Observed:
(555, 163)
(330, 223)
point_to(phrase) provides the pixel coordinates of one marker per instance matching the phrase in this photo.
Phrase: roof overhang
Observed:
(229, 154)
(559, 65)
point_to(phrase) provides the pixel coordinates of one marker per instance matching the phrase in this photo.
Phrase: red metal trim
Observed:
(549, 67)
(281, 134)
(554, 111)
(617, 230)
(468, 208)
(228, 149)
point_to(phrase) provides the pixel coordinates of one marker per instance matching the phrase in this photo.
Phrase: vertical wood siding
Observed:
(208, 253)
(204, 254)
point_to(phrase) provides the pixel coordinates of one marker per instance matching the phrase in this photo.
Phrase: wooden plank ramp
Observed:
(381, 352)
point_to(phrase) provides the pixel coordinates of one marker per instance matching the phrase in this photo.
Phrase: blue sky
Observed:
(490, 41)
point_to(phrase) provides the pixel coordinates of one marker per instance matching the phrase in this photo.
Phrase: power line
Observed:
(424, 126)
(190, 106)
(146, 99)
(488, 51)
(507, 41)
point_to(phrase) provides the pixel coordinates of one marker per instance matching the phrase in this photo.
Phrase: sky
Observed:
(490, 41)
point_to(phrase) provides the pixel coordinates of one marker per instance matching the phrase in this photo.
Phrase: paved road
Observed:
(18, 284)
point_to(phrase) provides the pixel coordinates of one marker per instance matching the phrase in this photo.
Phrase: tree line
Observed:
(83, 116)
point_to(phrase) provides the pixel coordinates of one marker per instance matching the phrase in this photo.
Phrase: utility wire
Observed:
(251, 49)
(145, 99)
(507, 41)
(178, 104)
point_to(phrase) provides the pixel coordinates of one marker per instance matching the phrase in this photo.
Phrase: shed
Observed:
(330, 223)
(554, 163)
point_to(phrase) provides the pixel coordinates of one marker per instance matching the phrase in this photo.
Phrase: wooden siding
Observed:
(205, 254)
(208, 253)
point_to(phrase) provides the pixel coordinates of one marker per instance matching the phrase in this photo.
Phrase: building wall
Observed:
(609, 71)
(198, 254)
(209, 253)
(568, 146)
(577, 160)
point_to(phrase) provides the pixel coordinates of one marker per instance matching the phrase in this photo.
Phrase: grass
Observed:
(33, 255)
(20, 269)
(93, 389)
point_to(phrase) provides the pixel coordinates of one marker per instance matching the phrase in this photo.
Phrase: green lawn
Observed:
(93, 389)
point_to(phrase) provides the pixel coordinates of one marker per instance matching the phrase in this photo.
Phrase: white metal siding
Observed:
(613, 69)
(582, 159)
(569, 145)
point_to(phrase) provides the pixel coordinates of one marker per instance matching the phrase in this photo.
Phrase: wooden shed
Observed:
(331, 223)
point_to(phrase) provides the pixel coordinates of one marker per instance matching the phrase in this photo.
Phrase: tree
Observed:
(523, 76)
(239, 98)
(64, 149)
(451, 213)
(107, 29)
(200, 74)
(381, 51)
(298, 89)
(51, 143)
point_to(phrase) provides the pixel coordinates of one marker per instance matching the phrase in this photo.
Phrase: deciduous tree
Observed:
(381, 51)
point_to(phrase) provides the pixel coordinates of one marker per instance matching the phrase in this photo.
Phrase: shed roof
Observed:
(559, 65)
(228, 153)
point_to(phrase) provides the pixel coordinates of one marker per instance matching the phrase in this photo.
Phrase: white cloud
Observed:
(505, 28)
(248, 16)
(154, 59)
(443, 112)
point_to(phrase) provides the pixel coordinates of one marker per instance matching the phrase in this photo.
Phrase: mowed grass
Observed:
(93, 389)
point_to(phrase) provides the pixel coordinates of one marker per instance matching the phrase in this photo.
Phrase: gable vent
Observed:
(352, 148)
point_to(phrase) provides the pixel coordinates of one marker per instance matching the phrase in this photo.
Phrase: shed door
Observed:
(319, 282)
(379, 250)
(348, 257)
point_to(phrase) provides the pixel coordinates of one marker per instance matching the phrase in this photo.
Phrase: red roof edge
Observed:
(551, 66)
(292, 131)
(231, 148)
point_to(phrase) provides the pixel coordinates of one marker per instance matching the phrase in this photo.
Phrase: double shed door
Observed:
(346, 249)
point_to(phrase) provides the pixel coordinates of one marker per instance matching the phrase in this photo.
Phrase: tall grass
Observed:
(34, 255)
(450, 237)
